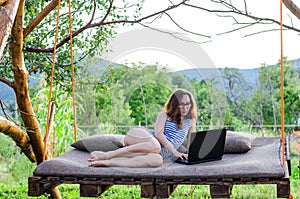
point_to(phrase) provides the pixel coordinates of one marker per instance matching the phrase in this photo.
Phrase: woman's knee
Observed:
(137, 135)
(155, 160)
(155, 146)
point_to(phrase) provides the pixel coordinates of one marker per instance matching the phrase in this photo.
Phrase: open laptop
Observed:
(205, 146)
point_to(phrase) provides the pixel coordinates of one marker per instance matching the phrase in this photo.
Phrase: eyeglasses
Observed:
(187, 105)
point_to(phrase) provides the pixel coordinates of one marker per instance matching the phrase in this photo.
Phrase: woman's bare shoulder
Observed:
(193, 121)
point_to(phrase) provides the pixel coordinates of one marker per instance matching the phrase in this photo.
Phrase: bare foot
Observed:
(97, 155)
(97, 164)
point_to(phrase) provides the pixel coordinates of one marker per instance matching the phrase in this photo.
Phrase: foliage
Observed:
(269, 82)
(123, 95)
(61, 132)
(147, 101)
(260, 105)
(92, 40)
(203, 101)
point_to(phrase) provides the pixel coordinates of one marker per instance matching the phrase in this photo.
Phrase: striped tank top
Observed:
(174, 135)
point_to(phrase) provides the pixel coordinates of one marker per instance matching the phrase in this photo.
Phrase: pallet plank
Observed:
(92, 190)
(220, 191)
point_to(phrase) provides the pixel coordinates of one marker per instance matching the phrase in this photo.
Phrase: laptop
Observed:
(205, 146)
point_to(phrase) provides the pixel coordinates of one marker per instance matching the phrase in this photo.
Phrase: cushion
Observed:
(238, 142)
(103, 142)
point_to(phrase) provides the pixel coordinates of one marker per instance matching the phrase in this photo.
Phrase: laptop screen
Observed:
(207, 144)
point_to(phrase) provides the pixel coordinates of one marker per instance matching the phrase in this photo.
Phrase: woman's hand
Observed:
(182, 156)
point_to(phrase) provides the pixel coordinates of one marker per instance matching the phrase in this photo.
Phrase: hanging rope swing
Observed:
(53, 173)
(282, 88)
(49, 117)
(282, 92)
(51, 105)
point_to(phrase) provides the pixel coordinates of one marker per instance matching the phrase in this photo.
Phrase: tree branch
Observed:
(35, 22)
(102, 22)
(94, 11)
(238, 12)
(3, 109)
(34, 69)
(174, 35)
(8, 83)
(186, 29)
(16, 133)
(292, 7)
(108, 11)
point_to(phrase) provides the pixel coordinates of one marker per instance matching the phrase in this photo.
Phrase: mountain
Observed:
(7, 94)
(296, 63)
(250, 75)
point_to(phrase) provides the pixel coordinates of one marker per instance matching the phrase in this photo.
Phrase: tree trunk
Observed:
(20, 86)
(8, 10)
(21, 89)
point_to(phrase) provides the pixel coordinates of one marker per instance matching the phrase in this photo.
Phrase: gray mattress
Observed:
(262, 161)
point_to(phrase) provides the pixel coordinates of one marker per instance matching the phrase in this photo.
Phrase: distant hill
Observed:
(250, 75)
(296, 63)
(7, 94)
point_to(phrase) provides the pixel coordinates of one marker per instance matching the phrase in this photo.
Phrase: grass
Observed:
(128, 192)
(15, 169)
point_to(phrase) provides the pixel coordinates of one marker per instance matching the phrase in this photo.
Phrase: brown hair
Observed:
(172, 107)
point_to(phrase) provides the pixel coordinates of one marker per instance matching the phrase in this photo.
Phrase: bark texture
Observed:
(8, 10)
(17, 134)
(20, 86)
(292, 7)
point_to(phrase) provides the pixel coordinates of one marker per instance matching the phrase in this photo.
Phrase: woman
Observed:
(144, 148)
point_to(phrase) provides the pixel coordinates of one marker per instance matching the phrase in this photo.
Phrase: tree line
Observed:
(129, 96)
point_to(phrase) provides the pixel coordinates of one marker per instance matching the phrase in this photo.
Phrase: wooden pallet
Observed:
(154, 187)
(160, 186)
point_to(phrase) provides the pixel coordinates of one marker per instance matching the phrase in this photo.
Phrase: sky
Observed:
(227, 50)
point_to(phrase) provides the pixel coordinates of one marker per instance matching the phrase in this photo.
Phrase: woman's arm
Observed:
(159, 134)
(192, 129)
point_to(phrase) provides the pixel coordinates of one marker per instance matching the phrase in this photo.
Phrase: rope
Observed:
(282, 87)
(51, 83)
(72, 68)
(48, 122)
(282, 92)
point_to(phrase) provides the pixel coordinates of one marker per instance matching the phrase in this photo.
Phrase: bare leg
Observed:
(148, 160)
(100, 155)
(125, 152)
(138, 142)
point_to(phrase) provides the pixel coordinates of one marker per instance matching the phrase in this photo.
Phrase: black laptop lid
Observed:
(207, 145)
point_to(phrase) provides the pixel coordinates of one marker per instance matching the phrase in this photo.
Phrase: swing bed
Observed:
(267, 162)
(260, 165)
